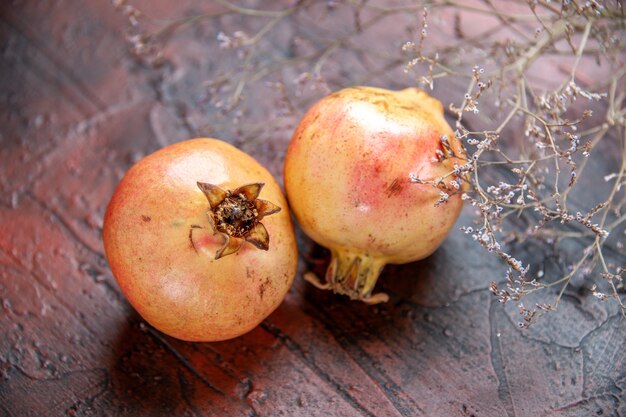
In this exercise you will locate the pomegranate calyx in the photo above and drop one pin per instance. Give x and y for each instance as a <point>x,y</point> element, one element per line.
<point>352,274</point>
<point>237,215</point>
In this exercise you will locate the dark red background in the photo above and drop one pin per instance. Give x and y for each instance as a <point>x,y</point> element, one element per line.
<point>77,111</point>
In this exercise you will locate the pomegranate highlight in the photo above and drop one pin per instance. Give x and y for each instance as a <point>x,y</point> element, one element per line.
<point>199,239</point>
<point>348,178</point>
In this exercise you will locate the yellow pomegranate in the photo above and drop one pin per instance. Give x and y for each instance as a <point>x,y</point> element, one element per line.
<point>348,173</point>
<point>199,239</point>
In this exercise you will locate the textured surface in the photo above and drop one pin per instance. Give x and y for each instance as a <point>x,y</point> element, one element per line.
<point>77,111</point>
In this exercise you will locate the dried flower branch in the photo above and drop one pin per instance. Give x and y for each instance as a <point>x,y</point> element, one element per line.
<point>559,145</point>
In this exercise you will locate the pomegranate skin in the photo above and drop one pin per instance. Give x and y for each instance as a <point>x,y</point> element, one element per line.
<point>162,248</point>
<point>347,178</point>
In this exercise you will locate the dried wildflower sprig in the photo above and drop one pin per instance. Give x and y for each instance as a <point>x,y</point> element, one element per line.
<point>546,168</point>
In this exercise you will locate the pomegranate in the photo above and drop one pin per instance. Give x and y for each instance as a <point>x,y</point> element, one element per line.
<point>348,177</point>
<point>199,238</point>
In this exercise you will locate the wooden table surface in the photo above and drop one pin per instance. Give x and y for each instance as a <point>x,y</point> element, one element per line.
<point>78,110</point>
